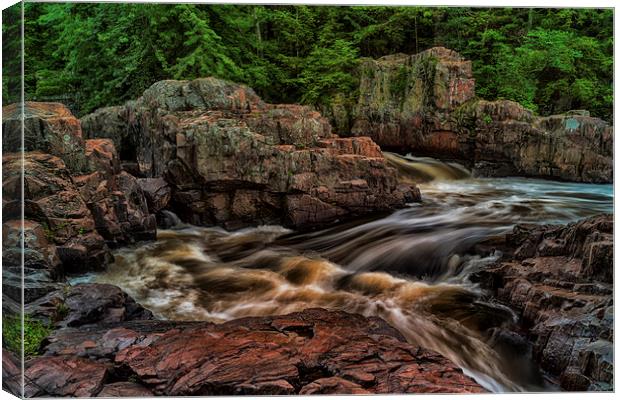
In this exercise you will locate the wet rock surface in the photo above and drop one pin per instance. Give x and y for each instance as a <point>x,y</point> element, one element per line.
<point>426,103</point>
<point>314,351</point>
<point>231,159</point>
<point>559,280</point>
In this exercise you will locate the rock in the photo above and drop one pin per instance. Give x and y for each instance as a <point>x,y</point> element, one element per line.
<point>115,197</point>
<point>233,160</point>
<point>101,154</point>
<point>64,376</point>
<point>157,193</point>
<point>277,355</point>
<point>118,206</point>
<point>399,95</point>
<point>103,342</point>
<point>124,389</point>
<point>11,373</point>
<point>425,104</point>
<point>85,304</point>
<point>34,283</point>
<point>576,148</point>
<point>559,279</point>
<point>38,252</point>
<point>53,202</point>
<point>67,178</point>
<point>100,303</point>
<point>313,351</point>
<point>109,123</point>
<point>48,127</point>
<point>332,385</point>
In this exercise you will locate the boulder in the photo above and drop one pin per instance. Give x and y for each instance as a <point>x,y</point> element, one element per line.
<point>566,147</point>
<point>37,251</point>
<point>70,217</point>
<point>157,193</point>
<point>115,197</point>
<point>400,94</point>
<point>313,351</point>
<point>233,160</point>
<point>559,279</point>
<point>100,303</point>
<point>48,127</point>
<point>101,155</point>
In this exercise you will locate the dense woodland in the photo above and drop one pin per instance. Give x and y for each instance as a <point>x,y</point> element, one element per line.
<point>92,55</point>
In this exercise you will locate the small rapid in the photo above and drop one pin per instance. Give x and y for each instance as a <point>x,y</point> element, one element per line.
<point>410,268</point>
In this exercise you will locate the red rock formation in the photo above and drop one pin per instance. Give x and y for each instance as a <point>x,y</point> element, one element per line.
<point>76,201</point>
<point>232,159</point>
<point>64,376</point>
<point>314,351</point>
<point>52,199</point>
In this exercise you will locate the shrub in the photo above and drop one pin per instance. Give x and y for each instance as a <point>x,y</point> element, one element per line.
<point>34,333</point>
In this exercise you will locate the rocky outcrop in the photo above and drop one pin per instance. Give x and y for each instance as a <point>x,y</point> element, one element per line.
<point>47,127</point>
<point>52,201</point>
<point>426,104</point>
<point>314,351</point>
<point>401,96</point>
<point>76,201</point>
<point>509,140</point>
<point>231,159</point>
<point>86,304</point>
<point>560,280</point>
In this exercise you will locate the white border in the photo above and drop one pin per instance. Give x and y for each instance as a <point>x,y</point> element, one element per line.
<point>464,3</point>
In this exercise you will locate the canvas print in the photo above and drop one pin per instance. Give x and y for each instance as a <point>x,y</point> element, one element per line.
<point>237,199</point>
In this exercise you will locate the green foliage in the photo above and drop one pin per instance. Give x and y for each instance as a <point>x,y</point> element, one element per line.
<point>62,310</point>
<point>11,54</point>
<point>92,55</point>
<point>327,72</point>
<point>34,334</point>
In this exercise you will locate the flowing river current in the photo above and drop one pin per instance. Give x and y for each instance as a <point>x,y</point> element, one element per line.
<point>410,268</point>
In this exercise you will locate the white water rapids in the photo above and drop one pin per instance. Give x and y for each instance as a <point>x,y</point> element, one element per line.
<point>410,268</point>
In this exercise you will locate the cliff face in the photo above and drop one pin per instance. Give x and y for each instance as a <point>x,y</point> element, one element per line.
<point>426,104</point>
<point>402,96</point>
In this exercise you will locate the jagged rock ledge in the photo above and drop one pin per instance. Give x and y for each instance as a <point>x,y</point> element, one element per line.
<point>560,281</point>
<point>233,160</point>
<point>311,352</point>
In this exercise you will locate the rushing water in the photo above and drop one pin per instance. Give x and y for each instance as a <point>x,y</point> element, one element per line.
<point>410,268</point>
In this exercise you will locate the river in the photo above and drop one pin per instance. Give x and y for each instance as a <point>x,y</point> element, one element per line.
<point>410,268</point>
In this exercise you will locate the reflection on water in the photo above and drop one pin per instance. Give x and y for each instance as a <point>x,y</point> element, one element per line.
<point>410,268</point>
